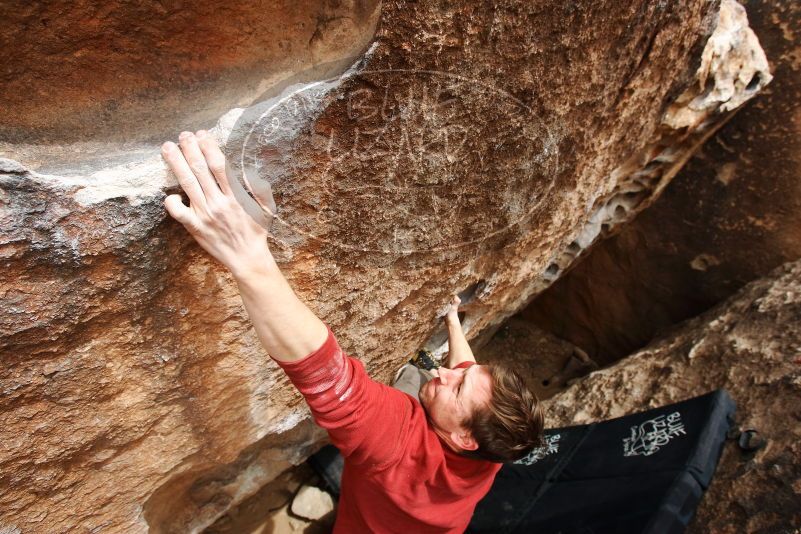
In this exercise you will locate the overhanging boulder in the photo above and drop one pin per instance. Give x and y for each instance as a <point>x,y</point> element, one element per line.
<point>472,148</point>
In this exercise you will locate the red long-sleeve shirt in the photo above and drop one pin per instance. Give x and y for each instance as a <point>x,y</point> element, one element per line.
<point>399,476</point>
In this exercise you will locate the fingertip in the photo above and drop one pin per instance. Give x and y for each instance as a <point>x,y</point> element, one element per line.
<point>204,138</point>
<point>174,200</point>
<point>170,200</point>
<point>167,146</point>
<point>184,135</point>
<point>176,208</point>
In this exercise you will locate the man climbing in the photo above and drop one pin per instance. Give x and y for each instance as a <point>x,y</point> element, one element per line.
<point>409,466</point>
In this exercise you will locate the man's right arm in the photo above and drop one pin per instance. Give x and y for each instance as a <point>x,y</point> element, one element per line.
<point>286,327</point>
<point>364,419</point>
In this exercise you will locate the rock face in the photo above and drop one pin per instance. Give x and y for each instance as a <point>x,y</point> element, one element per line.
<point>473,148</point>
<point>750,346</point>
<point>547,363</point>
<point>82,71</point>
<point>729,217</point>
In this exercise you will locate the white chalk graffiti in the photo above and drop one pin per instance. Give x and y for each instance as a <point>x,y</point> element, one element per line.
<point>551,447</point>
<point>650,436</point>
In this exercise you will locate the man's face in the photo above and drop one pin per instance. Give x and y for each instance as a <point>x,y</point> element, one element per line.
<point>450,398</point>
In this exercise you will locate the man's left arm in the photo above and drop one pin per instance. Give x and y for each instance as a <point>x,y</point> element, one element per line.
<point>459,350</point>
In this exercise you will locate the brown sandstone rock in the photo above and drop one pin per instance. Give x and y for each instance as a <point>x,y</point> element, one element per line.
<point>751,346</point>
<point>475,148</point>
<point>729,217</point>
<point>81,70</point>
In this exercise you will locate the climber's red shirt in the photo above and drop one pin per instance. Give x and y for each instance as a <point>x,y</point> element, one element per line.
<point>399,476</point>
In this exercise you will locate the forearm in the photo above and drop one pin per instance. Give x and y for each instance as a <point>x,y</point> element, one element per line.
<point>459,349</point>
<point>286,327</point>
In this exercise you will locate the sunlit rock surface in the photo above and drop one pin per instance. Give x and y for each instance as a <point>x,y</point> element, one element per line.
<point>749,345</point>
<point>428,149</point>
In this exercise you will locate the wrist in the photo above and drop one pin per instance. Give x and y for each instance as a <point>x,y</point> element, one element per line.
<point>247,269</point>
<point>452,319</point>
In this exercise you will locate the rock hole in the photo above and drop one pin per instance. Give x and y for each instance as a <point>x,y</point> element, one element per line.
<point>546,382</point>
<point>652,166</point>
<point>666,156</point>
<point>753,84</point>
<point>552,270</point>
<point>469,293</point>
<point>574,248</point>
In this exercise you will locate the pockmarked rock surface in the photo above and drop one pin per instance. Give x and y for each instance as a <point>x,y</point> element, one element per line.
<point>730,216</point>
<point>415,152</point>
<point>749,345</point>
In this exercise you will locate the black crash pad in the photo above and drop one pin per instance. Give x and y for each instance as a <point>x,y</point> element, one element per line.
<point>642,473</point>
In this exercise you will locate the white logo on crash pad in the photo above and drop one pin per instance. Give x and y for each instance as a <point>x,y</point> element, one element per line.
<point>551,447</point>
<point>650,436</point>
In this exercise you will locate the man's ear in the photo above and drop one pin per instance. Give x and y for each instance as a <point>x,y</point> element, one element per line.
<point>464,440</point>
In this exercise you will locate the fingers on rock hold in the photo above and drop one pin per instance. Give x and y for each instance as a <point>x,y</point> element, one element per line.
<point>197,162</point>
<point>215,159</point>
<point>183,173</point>
<point>177,209</point>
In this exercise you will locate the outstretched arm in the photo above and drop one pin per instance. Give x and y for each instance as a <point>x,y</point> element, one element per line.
<point>458,349</point>
<point>368,421</point>
<point>286,327</point>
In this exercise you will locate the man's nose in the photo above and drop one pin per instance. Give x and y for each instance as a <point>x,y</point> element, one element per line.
<point>445,374</point>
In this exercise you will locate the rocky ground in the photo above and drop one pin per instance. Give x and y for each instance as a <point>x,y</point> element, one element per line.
<point>749,345</point>
<point>548,364</point>
<point>291,503</point>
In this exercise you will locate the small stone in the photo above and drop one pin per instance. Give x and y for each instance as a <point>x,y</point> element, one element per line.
<point>312,503</point>
<point>702,262</point>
